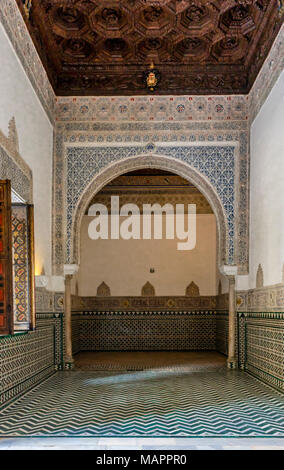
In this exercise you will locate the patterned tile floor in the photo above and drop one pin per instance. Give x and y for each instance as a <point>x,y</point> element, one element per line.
<point>153,403</point>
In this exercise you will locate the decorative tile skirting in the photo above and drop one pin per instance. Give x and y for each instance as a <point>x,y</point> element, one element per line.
<point>144,331</point>
<point>261,346</point>
<point>222,330</point>
<point>27,359</point>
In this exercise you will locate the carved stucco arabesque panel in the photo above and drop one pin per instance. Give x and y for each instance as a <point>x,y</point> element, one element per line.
<point>88,146</point>
<point>138,158</point>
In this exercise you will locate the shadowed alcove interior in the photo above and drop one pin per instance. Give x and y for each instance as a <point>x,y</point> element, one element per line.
<point>126,265</point>
<point>146,294</point>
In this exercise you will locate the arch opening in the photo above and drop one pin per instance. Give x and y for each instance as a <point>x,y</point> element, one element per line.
<point>159,163</point>
<point>187,304</point>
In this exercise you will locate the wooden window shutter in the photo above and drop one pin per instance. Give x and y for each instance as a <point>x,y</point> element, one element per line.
<point>6,274</point>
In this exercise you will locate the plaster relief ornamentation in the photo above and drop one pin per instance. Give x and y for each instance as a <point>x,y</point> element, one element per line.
<point>85,165</point>
<point>192,290</point>
<point>73,143</point>
<point>269,73</point>
<point>136,108</point>
<point>150,305</point>
<point>13,166</point>
<point>103,290</point>
<point>151,189</point>
<point>20,38</point>
<point>263,299</point>
<point>148,290</point>
<point>151,123</point>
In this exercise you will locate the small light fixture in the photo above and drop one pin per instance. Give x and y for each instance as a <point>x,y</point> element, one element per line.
<point>152,77</point>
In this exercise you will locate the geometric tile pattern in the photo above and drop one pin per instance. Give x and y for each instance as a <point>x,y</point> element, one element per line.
<point>261,346</point>
<point>27,359</point>
<point>150,403</point>
<point>24,358</point>
<point>222,329</point>
<point>151,331</point>
<point>216,163</point>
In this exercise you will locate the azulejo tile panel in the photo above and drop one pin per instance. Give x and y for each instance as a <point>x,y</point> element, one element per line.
<point>261,346</point>
<point>27,359</point>
<point>144,331</point>
<point>222,329</point>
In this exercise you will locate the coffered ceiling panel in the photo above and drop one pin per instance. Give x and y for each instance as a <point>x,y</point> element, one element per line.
<point>95,47</point>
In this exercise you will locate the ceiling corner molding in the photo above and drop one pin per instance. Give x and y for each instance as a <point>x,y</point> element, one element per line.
<point>16,30</point>
<point>267,77</point>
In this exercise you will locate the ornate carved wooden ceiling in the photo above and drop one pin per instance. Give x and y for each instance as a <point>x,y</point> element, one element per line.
<point>95,47</point>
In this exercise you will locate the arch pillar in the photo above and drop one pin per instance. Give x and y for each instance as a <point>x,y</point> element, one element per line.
<point>231,272</point>
<point>69,271</point>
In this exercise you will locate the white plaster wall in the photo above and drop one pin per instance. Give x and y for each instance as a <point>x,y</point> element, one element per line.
<point>18,99</point>
<point>267,189</point>
<point>125,264</point>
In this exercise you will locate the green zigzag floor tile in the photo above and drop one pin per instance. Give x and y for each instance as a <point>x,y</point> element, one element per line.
<point>148,403</point>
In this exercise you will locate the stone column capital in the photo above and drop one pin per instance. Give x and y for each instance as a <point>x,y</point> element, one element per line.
<point>70,269</point>
<point>229,271</point>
